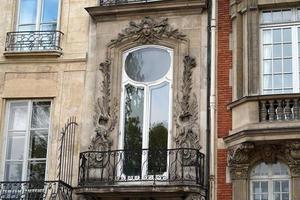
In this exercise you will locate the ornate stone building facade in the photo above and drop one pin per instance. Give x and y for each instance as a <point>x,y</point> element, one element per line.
<point>132,75</point>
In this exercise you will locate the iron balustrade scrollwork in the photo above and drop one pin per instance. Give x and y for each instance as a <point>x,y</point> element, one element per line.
<point>24,41</point>
<point>120,2</point>
<point>37,190</point>
<point>173,166</point>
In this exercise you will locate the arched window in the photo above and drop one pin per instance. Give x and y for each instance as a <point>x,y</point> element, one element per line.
<point>270,182</point>
<point>146,109</point>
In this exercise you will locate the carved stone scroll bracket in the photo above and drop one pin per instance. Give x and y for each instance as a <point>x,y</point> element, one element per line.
<point>195,197</point>
<point>292,153</point>
<point>148,31</point>
<point>105,118</point>
<point>186,110</point>
<point>241,157</point>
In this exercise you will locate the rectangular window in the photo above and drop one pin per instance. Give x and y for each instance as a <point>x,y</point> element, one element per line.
<point>27,130</point>
<point>280,55</point>
<point>38,15</point>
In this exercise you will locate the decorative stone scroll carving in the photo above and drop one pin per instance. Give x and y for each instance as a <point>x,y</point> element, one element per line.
<point>238,160</point>
<point>186,110</point>
<point>105,118</point>
<point>240,157</point>
<point>148,31</point>
<point>195,197</point>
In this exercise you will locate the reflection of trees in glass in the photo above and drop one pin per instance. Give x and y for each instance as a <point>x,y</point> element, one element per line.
<point>38,146</point>
<point>133,65</point>
<point>40,114</point>
<point>133,146</point>
<point>134,105</point>
<point>158,143</point>
<point>36,171</point>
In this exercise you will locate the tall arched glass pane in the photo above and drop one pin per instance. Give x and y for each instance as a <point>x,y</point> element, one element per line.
<point>134,111</point>
<point>158,129</point>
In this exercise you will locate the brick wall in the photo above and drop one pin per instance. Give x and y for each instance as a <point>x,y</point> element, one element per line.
<point>224,95</point>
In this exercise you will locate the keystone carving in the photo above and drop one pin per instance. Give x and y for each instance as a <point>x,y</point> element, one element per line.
<point>186,111</point>
<point>105,119</point>
<point>240,157</point>
<point>148,31</point>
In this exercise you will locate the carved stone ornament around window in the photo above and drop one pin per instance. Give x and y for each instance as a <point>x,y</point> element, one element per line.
<point>195,197</point>
<point>105,119</point>
<point>148,31</point>
<point>186,110</point>
<point>240,157</point>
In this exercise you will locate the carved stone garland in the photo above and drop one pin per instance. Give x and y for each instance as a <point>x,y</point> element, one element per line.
<point>148,31</point>
<point>105,119</point>
<point>186,111</point>
<point>241,156</point>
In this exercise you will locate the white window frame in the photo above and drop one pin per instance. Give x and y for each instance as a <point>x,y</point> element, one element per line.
<point>270,179</point>
<point>294,24</point>
<point>39,15</point>
<point>27,137</point>
<point>168,77</point>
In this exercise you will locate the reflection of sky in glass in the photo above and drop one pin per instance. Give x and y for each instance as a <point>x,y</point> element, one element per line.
<point>18,116</point>
<point>50,11</point>
<point>28,11</point>
<point>148,64</point>
<point>159,111</point>
<point>15,148</point>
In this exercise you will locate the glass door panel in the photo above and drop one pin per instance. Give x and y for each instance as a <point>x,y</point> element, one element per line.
<point>133,137</point>
<point>158,129</point>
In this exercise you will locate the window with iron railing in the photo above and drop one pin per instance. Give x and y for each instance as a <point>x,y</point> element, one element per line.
<point>37,27</point>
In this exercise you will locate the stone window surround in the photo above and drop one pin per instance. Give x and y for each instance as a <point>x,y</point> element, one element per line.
<point>149,34</point>
<point>185,115</point>
<point>245,15</point>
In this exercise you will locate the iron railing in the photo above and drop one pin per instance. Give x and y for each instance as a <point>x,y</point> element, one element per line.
<point>44,190</point>
<point>24,41</point>
<point>155,166</point>
<point>120,2</point>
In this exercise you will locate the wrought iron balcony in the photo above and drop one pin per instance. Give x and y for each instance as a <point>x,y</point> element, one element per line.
<point>148,166</point>
<point>33,41</point>
<point>25,190</point>
<point>121,2</point>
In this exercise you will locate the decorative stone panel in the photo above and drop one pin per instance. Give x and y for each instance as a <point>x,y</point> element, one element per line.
<point>243,156</point>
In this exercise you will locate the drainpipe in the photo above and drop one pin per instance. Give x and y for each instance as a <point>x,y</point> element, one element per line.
<point>212,102</point>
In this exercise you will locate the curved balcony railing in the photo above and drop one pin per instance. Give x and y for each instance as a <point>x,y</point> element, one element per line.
<point>154,166</point>
<point>28,41</point>
<point>26,190</point>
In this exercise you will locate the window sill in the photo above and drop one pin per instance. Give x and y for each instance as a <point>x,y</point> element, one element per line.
<point>46,53</point>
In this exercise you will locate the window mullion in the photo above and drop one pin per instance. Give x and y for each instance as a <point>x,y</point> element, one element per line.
<point>294,60</point>
<point>145,137</point>
<point>27,138</point>
<point>38,14</point>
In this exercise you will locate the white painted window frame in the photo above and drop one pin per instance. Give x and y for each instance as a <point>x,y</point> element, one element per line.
<point>39,15</point>
<point>168,77</point>
<point>294,24</point>
<point>27,137</point>
<point>270,178</point>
